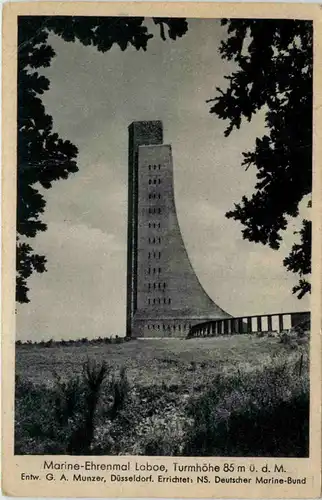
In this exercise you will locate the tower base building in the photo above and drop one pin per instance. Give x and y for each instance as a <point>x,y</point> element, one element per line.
<point>164,295</point>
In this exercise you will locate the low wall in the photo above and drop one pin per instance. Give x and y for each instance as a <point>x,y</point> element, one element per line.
<point>250,324</point>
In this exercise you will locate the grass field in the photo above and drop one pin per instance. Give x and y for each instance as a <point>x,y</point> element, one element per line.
<point>152,360</point>
<point>230,396</point>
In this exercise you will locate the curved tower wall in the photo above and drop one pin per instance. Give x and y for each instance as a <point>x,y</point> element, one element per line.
<point>165,297</point>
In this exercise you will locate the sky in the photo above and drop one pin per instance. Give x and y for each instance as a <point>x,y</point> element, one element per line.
<point>93,98</point>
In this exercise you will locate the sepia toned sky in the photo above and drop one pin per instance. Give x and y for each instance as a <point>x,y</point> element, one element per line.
<point>93,98</point>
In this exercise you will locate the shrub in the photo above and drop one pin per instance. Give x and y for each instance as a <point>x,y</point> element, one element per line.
<point>259,414</point>
<point>119,389</point>
<point>81,439</point>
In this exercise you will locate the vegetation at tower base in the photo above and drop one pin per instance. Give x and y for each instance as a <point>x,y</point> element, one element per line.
<point>180,397</point>
<point>275,65</point>
<point>44,157</point>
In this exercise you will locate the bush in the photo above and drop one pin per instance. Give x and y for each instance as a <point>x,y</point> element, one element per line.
<point>58,419</point>
<point>119,389</point>
<point>263,414</point>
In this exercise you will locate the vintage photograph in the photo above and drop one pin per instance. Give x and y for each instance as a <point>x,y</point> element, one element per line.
<point>163,249</point>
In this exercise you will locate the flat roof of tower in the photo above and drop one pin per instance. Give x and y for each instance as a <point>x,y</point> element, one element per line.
<point>145,122</point>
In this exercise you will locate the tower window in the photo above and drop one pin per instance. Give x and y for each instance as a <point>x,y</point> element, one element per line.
<point>159,255</point>
<point>149,270</point>
<point>159,210</point>
<point>164,285</point>
<point>149,224</point>
<point>164,300</point>
<point>149,301</point>
<point>154,270</point>
<point>154,166</point>
<point>169,301</point>
<point>159,300</point>
<point>154,181</point>
<point>159,166</point>
<point>149,167</point>
<point>150,182</point>
<point>154,286</point>
<point>159,225</point>
<point>159,196</point>
<point>149,255</point>
<point>159,285</point>
<point>159,181</point>
<point>159,269</point>
<point>149,286</point>
<point>153,303</point>
<point>159,239</point>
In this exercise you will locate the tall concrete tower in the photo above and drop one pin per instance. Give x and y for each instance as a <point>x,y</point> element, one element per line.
<point>164,295</point>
